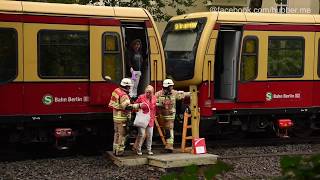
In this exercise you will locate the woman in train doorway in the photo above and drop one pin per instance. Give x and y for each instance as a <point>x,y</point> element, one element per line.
<point>135,63</point>
<point>148,103</point>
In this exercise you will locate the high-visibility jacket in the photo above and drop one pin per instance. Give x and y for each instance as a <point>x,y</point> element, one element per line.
<point>167,103</point>
<point>118,102</point>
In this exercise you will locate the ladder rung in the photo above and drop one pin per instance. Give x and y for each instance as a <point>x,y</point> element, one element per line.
<point>160,132</point>
<point>187,115</point>
<point>186,120</point>
<point>187,149</point>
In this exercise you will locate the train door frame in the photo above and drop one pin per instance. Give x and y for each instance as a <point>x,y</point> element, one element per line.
<point>137,30</point>
<point>252,89</point>
<point>101,81</point>
<point>221,79</point>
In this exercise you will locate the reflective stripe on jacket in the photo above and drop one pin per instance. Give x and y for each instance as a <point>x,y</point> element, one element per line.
<point>118,102</point>
<point>167,103</point>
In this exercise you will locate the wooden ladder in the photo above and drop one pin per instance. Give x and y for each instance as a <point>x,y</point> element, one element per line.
<point>160,132</point>
<point>186,126</point>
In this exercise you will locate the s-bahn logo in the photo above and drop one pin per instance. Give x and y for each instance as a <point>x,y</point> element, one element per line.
<point>269,96</point>
<point>47,99</point>
<point>283,96</point>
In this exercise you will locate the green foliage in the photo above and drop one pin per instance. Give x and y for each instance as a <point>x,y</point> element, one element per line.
<point>156,7</point>
<point>255,4</point>
<point>193,172</point>
<point>169,176</point>
<point>297,167</point>
<point>189,173</point>
<point>281,1</point>
<point>217,169</point>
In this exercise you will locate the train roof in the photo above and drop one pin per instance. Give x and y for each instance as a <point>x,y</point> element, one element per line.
<point>254,17</point>
<point>70,9</point>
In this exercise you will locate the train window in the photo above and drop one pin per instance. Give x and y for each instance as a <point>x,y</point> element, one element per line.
<point>181,41</point>
<point>249,58</point>
<point>112,61</point>
<point>285,57</point>
<point>63,54</point>
<point>8,54</point>
<point>174,42</point>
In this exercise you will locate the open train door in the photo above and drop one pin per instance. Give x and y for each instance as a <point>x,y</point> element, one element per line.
<point>106,59</point>
<point>225,68</point>
<point>132,31</point>
<point>248,88</point>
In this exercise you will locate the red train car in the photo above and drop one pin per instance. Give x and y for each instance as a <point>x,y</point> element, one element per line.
<point>253,71</point>
<point>59,64</point>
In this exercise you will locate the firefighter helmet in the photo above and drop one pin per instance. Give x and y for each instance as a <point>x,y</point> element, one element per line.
<point>126,82</point>
<point>167,83</point>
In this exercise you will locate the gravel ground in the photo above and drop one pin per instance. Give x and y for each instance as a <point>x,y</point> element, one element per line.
<point>73,168</point>
<point>97,167</point>
<point>258,167</point>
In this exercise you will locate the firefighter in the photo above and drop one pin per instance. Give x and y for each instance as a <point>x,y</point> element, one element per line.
<point>120,103</point>
<point>166,103</point>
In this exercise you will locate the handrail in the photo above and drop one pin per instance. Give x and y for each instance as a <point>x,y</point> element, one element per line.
<point>155,75</point>
<point>209,78</point>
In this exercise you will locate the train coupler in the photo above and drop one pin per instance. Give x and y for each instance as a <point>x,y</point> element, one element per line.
<point>63,138</point>
<point>283,126</point>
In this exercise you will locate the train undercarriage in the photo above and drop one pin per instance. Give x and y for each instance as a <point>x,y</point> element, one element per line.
<point>62,134</point>
<point>238,126</point>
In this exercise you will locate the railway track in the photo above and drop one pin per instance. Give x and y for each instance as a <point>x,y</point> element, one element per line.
<point>270,155</point>
<point>262,141</point>
<point>14,152</point>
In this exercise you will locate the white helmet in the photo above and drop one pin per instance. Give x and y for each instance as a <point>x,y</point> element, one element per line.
<point>167,83</point>
<point>126,82</point>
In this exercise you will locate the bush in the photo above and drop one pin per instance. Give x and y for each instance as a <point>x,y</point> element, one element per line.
<point>298,167</point>
<point>193,172</point>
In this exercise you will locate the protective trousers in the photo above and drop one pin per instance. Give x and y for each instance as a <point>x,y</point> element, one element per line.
<point>169,133</point>
<point>119,138</point>
<point>142,134</point>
